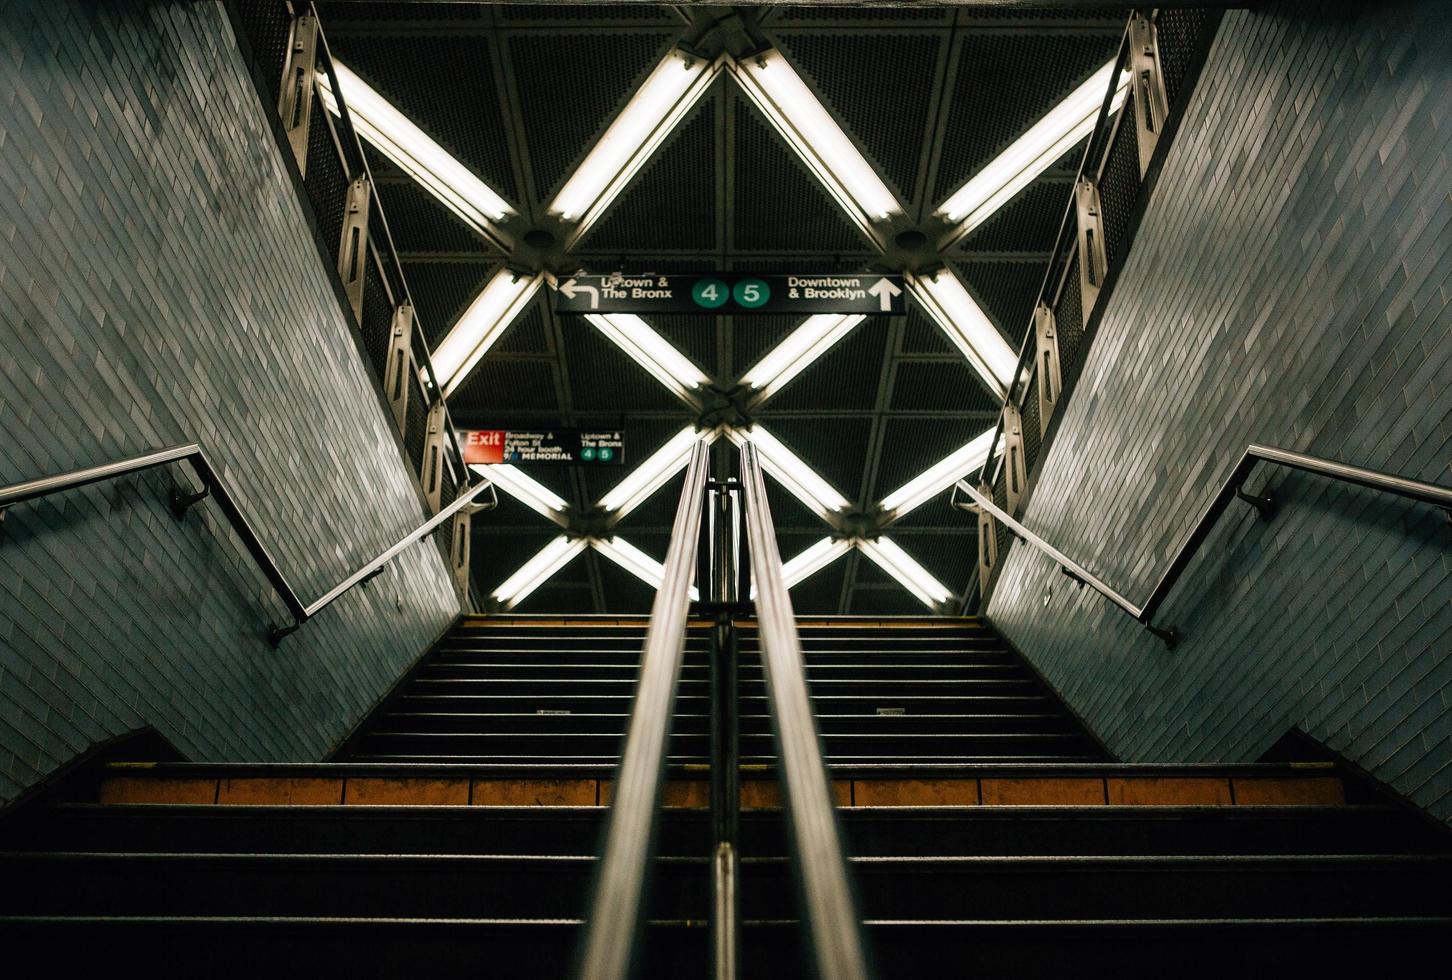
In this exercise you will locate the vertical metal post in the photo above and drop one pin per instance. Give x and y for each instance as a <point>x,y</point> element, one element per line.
<point>295,98</point>
<point>431,467</point>
<point>353,249</point>
<point>1093,256</point>
<point>1015,466</point>
<point>725,799</point>
<point>398,366</point>
<point>1151,100</point>
<point>1046,363</point>
<point>987,542</point>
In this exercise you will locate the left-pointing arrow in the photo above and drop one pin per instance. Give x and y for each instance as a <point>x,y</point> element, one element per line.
<point>884,290</point>
<point>571,288</point>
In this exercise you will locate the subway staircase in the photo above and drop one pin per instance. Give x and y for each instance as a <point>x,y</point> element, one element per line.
<point>989,834</point>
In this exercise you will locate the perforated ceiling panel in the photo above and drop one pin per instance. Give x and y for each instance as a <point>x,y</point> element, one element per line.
<point>940,386</point>
<point>778,206</point>
<point>836,448</point>
<point>571,86</point>
<point>1004,83</point>
<point>441,290</point>
<point>1007,291</point>
<point>844,377</point>
<point>850,72</point>
<point>445,85</point>
<point>672,205</point>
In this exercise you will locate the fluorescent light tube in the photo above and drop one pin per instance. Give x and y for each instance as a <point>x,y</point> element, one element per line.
<point>939,477</point>
<point>635,561</point>
<point>792,356</point>
<point>885,554</point>
<point>651,351</point>
<point>945,299</point>
<point>533,573</point>
<point>771,82</point>
<point>527,490</point>
<point>480,326</point>
<point>665,98</point>
<point>811,561</point>
<point>413,152</point>
<point>1032,153</point>
<point>643,481</point>
<point>795,476</point>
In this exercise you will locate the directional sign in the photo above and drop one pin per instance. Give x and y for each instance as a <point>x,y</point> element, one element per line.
<point>560,446</point>
<point>727,292</point>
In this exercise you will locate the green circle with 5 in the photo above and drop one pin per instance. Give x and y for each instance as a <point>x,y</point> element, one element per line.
<point>711,293</point>
<point>751,293</point>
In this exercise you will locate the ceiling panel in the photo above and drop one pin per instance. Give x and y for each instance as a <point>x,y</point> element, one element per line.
<point>847,376</point>
<point>835,448</point>
<point>947,386</point>
<point>445,85</point>
<point>441,291</point>
<point>570,86</point>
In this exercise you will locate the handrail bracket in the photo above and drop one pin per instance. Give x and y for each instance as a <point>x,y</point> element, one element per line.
<point>182,502</point>
<point>1265,504</point>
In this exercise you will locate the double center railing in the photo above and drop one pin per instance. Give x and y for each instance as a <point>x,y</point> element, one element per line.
<point>617,912</point>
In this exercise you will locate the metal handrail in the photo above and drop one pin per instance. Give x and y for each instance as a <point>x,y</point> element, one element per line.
<point>420,350</point>
<point>1231,489</point>
<point>821,868</point>
<point>1022,372</point>
<point>618,899</point>
<point>214,486</point>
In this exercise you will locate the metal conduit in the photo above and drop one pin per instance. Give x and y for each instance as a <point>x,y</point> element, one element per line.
<point>821,868</point>
<point>617,905</point>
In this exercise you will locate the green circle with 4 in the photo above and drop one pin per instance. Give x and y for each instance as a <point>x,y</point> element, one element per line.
<point>751,293</point>
<point>710,293</point>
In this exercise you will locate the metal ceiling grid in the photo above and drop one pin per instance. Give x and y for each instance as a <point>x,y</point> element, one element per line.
<point>727,168</point>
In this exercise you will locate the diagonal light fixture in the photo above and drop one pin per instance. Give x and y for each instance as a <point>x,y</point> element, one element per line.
<point>795,476</point>
<point>535,572</point>
<point>642,482</point>
<point>416,154</point>
<point>948,303</point>
<point>771,82</point>
<point>481,325</point>
<point>887,555</point>
<point>1031,154</point>
<point>651,351</point>
<point>816,335</point>
<point>524,488</point>
<point>662,101</point>
<point>938,477</point>
<point>635,561</point>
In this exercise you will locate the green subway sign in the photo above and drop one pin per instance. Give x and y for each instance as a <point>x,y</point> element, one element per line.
<point>728,293</point>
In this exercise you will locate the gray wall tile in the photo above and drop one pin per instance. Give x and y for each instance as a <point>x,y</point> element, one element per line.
<point>1289,285</point>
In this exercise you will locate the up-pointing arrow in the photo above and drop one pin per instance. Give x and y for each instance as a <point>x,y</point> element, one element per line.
<point>884,290</point>
<point>571,288</point>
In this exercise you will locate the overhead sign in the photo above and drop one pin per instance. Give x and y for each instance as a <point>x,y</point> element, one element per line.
<point>726,292</point>
<point>565,446</point>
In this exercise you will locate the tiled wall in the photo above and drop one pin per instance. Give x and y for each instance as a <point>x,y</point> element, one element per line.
<point>1289,285</point>
<point>159,284</point>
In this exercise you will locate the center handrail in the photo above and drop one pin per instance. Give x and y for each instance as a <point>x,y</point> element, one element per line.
<point>828,906</point>
<point>214,486</point>
<point>617,906</point>
<point>1231,489</point>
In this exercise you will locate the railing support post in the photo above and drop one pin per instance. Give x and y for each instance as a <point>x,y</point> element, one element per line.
<point>295,101</point>
<point>398,366</point>
<point>353,249</point>
<point>1015,466</point>
<point>431,467</point>
<point>987,542</point>
<point>1151,100</point>
<point>459,554</point>
<point>1046,364</point>
<point>1093,256</point>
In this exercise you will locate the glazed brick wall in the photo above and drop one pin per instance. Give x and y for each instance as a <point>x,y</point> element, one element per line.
<point>160,284</point>
<point>1289,285</point>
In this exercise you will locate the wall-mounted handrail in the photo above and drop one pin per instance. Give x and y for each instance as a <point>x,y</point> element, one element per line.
<point>1022,370</point>
<point>359,162</point>
<point>1231,489</point>
<point>617,905</point>
<point>821,869</point>
<point>214,486</point>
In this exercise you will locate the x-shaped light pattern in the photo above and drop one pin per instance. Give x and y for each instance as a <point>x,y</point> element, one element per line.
<point>662,102</point>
